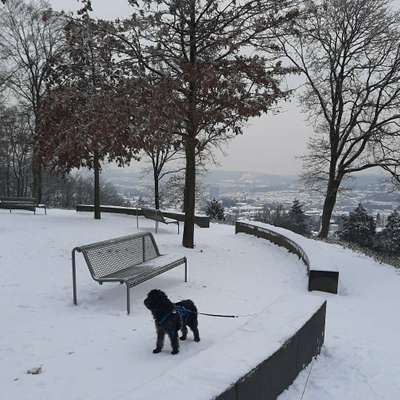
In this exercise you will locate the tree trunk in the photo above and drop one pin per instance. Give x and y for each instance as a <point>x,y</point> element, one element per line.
<point>19,187</point>
<point>329,205</point>
<point>97,214</point>
<point>37,181</point>
<point>8,191</point>
<point>36,165</point>
<point>190,193</point>
<point>189,202</point>
<point>156,192</point>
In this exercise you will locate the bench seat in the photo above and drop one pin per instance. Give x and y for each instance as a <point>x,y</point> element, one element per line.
<point>146,270</point>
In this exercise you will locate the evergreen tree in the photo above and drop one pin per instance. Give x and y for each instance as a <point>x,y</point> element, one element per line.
<point>358,227</point>
<point>388,241</point>
<point>379,220</point>
<point>297,220</point>
<point>264,215</point>
<point>215,210</point>
<point>279,216</point>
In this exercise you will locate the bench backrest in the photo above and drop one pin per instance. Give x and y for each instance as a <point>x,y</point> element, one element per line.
<point>19,200</point>
<point>109,256</point>
<point>153,214</point>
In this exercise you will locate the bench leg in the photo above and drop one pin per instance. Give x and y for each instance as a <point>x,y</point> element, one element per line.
<point>75,298</point>
<point>186,271</point>
<point>128,300</point>
<point>178,228</point>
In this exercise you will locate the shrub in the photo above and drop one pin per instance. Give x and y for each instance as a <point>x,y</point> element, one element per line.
<point>294,220</point>
<point>297,221</point>
<point>358,227</point>
<point>388,241</point>
<point>215,210</point>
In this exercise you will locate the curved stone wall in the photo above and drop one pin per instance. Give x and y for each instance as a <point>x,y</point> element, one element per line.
<point>275,238</point>
<point>325,279</point>
<point>274,375</point>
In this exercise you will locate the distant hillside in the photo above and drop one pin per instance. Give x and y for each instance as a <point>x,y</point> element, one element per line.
<point>242,180</point>
<point>247,178</point>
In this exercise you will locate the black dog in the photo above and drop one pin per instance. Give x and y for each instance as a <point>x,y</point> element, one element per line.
<point>170,318</point>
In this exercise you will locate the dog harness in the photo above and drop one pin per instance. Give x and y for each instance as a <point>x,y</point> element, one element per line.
<point>180,310</point>
<point>183,312</point>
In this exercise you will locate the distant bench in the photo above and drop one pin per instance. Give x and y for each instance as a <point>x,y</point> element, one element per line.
<point>129,259</point>
<point>21,203</point>
<point>203,221</point>
<point>156,215</point>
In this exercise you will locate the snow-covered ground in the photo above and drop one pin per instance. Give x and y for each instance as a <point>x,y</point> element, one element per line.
<point>361,356</point>
<point>95,351</point>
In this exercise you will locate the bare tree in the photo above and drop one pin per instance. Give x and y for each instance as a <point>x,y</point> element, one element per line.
<point>348,51</point>
<point>161,146</point>
<point>16,151</point>
<point>173,190</point>
<point>201,51</point>
<point>161,153</point>
<point>30,36</point>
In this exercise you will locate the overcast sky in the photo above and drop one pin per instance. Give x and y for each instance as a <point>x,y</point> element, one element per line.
<point>271,144</point>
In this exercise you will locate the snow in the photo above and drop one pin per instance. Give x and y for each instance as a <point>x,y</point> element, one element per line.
<point>107,206</point>
<point>327,267</point>
<point>278,321</point>
<point>95,351</point>
<point>361,356</point>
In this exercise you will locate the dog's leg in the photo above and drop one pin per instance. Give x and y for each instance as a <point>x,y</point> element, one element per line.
<point>174,342</point>
<point>193,326</point>
<point>184,332</point>
<point>160,340</point>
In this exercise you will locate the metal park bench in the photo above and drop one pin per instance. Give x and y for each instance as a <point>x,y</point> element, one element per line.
<point>129,259</point>
<point>157,216</point>
<point>21,203</point>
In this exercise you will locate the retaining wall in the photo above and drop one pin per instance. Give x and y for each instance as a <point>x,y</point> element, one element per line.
<point>270,378</point>
<point>275,238</point>
<point>200,220</point>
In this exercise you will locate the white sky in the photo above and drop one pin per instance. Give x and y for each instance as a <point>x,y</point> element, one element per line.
<point>270,145</point>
